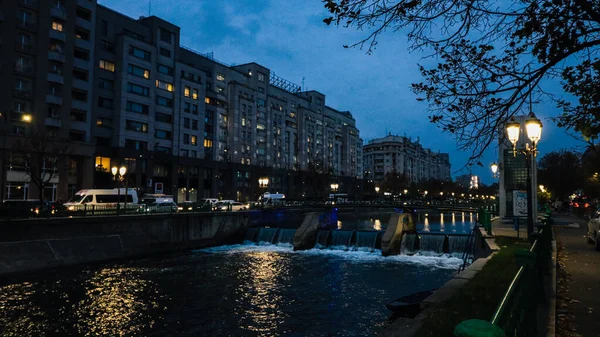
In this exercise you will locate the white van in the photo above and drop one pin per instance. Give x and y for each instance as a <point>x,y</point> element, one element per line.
<point>272,198</point>
<point>156,198</point>
<point>101,199</point>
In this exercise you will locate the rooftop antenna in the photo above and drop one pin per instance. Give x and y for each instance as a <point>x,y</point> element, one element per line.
<point>149,7</point>
<point>303,86</point>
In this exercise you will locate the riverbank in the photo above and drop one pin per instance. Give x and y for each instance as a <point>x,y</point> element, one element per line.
<point>28,245</point>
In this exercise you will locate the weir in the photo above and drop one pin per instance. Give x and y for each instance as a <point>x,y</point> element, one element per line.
<point>323,239</point>
<point>432,243</point>
<point>367,240</point>
<point>267,235</point>
<point>286,236</point>
<point>341,239</point>
<point>409,244</point>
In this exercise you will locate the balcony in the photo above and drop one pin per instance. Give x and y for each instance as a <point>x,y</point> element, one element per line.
<point>56,78</point>
<point>58,12</point>
<point>24,47</point>
<point>24,70</point>
<point>53,122</point>
<point>28,25</point>
<point>83,23</point>
<point>87,4</point>
<point>79,105</point>
<point>79,84</point>
<point>29,3</point>
<point>55,34</point>
<point>53,99</point>
<point>83,44</point>
<point>56,56</point>
<point>22,93</point>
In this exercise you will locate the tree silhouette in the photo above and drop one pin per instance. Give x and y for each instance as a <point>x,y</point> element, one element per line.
<point>492,58</point>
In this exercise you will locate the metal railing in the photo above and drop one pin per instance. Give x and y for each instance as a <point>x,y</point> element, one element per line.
<point>469,252</point>
<point>517,312</point>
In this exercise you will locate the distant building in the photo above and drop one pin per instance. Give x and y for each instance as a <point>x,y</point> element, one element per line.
<point>468,181</point>
<point>404,156</point>
<point>123,91</point>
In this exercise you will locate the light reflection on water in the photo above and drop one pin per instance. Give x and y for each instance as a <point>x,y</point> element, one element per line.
<point>425,222</point>
<point>241,290</point>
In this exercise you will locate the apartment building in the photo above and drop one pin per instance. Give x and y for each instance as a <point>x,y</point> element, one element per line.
<point>404,156</point>
<point>124,92</point>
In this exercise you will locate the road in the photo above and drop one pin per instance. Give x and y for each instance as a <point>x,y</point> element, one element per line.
<point>583,263</point>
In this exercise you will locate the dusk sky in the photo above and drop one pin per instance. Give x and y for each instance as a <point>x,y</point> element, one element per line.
<point>290,39</point>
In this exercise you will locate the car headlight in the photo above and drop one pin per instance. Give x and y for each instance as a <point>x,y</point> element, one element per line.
<point>180,208</point>
<point>71,208</point>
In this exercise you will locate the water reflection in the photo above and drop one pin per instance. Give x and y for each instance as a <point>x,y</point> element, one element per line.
<point>377,225</point>
<point>20,311</point>
<point>113,305</point>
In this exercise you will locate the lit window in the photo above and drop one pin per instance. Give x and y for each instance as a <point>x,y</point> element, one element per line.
<point>57,26</point>
<point>102,163</point>
<point>107,65</point>
<point>208,143</point>
<point>186,91</point>
<point>195,93</point>
<point>220,77</point>
<point>207,100</point>
<point>164,85</point>
<point>243,121</point>
<point>194,140</point>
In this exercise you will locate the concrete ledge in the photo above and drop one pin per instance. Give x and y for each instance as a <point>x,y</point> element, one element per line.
<point>445,292</point>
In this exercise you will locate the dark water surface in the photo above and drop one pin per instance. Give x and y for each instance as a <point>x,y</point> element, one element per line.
<point>240,290</point>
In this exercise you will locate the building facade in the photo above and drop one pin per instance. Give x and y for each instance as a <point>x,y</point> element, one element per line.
<point>402,155</point>
<point>124,92</point>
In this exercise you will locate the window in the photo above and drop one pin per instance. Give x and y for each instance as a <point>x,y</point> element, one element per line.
<point>163,101</point>
<point>53,111</point>
<point>165,35</point>
<point>79,95</point>
<point>208,117</point>
<point>243,121</point>
<point>194,140</point>
<point>105,103</point>
<point>220,90</point>
<point>260,102</point>
<point>261,90</point>
<point>107,65</point>
<point>58,26</point>
<point>162,134</point>
<point>208,143</point>
<point>261,77</point>
<point>186,138</point>
<point>163,149</point>
<point>82,34</point>
<point>103,122</point>
<point>78,115</point>
<point>195,94</point>
<point>104,27</point>
<point>107,46</point>
<point>164,85</point>
<point>136,126</point>
<point>220,77</point>
<point>139,53</point>
<point>83,14</point>
<point>184,153</point>
<point>102,164</point>
<point>186,123</point>
<point>83,54</point>
<point>165,52</point>
<point>137,89</point>
<point>136,144</point>
<point>186,107</point>
<point>137,107</point>
<point>186,91</point>
<point>194,154</point>
<point>194,124</point>
<point>76,135</point>
<point>163,69</point>
<point>138,71</point>
<point>163,118</point>
<point>194,109</point>
<point>80,74</point>
<point>104,83</point>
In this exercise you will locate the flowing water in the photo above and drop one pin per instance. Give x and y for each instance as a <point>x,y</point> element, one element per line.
<point>239,290</point>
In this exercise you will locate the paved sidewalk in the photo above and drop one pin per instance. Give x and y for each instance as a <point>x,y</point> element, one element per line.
<point>583,263</point>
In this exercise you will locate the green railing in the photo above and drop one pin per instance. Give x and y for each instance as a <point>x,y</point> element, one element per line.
<point>517,313</point>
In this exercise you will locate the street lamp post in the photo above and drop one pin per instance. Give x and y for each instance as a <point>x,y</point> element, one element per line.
<point>494,168</point>
<point>533,127</point>
<point>121,172</point>
<point>377,192</point>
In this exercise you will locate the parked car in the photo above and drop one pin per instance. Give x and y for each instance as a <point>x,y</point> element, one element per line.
<point>161,207</point>
<point>593,230</point>
<point>185,206</point>
<point>231,205</point>
<point>25,208</point>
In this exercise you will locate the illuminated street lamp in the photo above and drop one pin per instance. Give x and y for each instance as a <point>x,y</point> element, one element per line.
<point>26,118</point>
<point>533,127</point>
<point>405,191</point>
<point>494,168</point>
<point>121,177</point>
<point>334,187</point>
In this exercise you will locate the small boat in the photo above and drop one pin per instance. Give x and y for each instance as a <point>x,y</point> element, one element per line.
<point>409,306</point>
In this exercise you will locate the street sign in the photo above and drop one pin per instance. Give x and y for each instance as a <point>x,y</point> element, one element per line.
<point>520,203</point>
<point>158,188</point>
